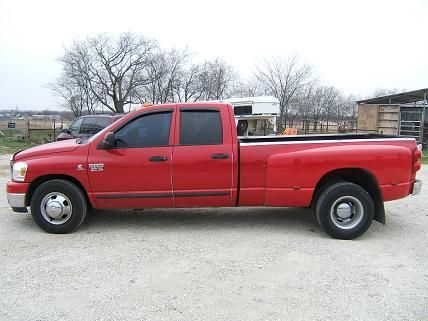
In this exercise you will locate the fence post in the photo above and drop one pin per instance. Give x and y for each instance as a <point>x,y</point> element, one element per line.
<point>53,137</point>
<point>28,130</point>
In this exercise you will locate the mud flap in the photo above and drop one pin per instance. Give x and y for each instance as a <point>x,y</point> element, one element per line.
<point>379,212</point>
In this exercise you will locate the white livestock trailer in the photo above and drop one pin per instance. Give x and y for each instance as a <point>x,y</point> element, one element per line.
<point>255,116</point>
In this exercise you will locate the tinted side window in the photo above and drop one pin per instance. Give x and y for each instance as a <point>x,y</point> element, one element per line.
<point>89,126</point>
<point>200,127</point>
<point>103,122</point>
<point>75,127</point>
<point>243,110</point>
<point>146,131</point>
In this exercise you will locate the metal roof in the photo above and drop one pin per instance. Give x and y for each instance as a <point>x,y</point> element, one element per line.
<point>252,100</point>
<point>401,98</point>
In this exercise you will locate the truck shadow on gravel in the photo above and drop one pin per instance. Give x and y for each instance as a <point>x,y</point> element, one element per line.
<point>290,219</point>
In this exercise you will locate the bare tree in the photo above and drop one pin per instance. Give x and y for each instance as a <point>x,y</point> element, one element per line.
<point>216,80</point>
<point>108,72</point>
<point>322,102</point>
<point>187,86</point>
<point>211,80</point>
<point>113,68</point>
<point>132,69</point>
<point>77,95</point>
<point>316,103</point>
<point>249,88</point>
<point>330,95</point>
<point>165,71</point>
<point>301,105</point>
<point>379,92</point>
<point>283,78</point>
<point>345,111</point>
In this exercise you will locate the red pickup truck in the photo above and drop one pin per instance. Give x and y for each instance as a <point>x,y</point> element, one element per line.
<point>189,155</point>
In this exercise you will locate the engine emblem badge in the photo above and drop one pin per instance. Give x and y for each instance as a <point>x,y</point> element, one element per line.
<point>99,167</point>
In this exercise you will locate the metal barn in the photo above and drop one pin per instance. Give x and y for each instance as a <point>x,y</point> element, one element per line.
<point>403,114</point>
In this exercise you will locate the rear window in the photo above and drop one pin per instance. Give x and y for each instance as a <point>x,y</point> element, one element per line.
<point>200,127</point>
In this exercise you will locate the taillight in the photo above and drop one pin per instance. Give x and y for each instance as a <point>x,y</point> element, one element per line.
<point>417,154</point>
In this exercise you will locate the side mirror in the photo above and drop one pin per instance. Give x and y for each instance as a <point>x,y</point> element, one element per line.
<point>108,141</point>
<point>65,131</point>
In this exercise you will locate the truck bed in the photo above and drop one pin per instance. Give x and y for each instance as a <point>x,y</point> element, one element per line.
<point>286,170</point>
<point>304,138</point>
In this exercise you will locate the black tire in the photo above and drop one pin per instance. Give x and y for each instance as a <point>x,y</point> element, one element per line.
<point>355,201</point>
<point>242,127</point>
<point>70,195</point>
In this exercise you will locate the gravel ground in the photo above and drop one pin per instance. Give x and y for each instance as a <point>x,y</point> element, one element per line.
<point>214,264</point>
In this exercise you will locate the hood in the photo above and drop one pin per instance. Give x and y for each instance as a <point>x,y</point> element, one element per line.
<point>56,147</point>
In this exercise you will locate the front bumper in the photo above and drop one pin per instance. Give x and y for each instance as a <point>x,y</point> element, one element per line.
<point>417,187</point>
<point>16,194</point>
<point>17,202</point>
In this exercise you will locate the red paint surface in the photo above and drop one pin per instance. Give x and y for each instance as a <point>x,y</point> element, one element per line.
<point>269,175</point>
<point>18,188</point>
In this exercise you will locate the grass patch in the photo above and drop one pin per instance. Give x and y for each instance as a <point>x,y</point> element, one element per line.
<point>424,159</point>
<point>10,145</point>
<point>42,135</point>
<point>17,139</point>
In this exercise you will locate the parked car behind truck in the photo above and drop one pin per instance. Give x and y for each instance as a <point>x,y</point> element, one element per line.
<point>189,155</point>
<point>86,126</point>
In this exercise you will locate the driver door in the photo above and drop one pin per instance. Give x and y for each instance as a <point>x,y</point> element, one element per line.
<point>136,173</point>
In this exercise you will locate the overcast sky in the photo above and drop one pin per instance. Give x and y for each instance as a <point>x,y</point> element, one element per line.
<point>357,46</point>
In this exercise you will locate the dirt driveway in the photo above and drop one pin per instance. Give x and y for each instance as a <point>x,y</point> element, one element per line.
<point>214,264</point>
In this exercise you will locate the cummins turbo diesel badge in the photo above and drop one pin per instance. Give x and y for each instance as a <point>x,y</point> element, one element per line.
<point>96,167</point>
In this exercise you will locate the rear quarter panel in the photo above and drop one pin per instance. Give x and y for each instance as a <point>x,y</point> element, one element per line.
<point>287,174</point>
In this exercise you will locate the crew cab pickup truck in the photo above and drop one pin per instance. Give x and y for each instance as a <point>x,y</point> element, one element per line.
<point>189,155</point>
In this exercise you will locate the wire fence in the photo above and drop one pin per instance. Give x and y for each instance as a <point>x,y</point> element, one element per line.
<point>34,131</point>
<point>40,131</point>
<point>323,128</point>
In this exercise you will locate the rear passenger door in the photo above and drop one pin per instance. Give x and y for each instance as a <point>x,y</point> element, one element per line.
<point>202,165</point>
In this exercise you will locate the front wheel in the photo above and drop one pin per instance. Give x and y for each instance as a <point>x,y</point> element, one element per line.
<point>345,210</point>
<point>58,206</point>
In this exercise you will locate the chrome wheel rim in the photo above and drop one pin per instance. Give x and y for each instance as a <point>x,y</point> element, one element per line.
<point>56,208</point>
<point>347,212</point>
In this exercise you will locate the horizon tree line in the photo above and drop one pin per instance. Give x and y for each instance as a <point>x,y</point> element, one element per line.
<point>107,73</point>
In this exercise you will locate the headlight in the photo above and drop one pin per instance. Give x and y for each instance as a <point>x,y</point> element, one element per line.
<point>19,171</point>
<point>11,165</point>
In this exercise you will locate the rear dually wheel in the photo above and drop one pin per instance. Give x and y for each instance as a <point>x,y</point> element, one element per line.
<point>344,210</point>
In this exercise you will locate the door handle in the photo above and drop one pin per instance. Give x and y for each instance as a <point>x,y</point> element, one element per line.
<point>220,156</point>
<point>158,158</point>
